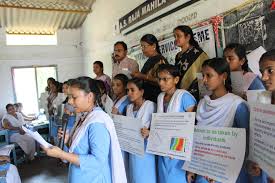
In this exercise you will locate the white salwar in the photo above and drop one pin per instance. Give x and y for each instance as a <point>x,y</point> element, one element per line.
<point>26,142</point>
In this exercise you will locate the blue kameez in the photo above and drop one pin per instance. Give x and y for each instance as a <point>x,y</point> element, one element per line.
<point>123,106</point>
<point>94,157</point>
<point>256,84</point>
<point>170,170</point>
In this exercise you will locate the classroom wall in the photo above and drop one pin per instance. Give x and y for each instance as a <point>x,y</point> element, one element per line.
<point>67,55</point>
<point>99,34</point>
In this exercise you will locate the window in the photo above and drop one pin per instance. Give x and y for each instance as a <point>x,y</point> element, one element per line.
<point>21,39</point>
<point>29,83</point>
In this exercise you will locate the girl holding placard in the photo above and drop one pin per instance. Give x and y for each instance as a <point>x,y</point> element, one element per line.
<point>141,169</point>
<point>121,101</point>
<point>267,68</point>
<point>222,108</point>
<point>119,88</point>
<point>172,100</point>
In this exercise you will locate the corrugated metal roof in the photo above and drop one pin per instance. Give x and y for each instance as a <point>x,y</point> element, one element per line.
<point>42,16</point>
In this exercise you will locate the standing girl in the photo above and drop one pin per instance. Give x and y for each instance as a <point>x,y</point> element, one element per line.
<point>172,100</point>
<point>189,60</point>
<point>121,99</point>
<point>267,68</point>
<point>235,55</point>
<point>141,169</point>
<point>222,108</point>
<point>94,152</point>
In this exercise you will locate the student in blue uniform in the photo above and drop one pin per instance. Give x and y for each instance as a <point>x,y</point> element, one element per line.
<point>222,108</point>
<point>267,68</point>
<point>121,99</point>
<point>119,86</point>
<point>235,55</point>
<point>172,99</point>
<point>141,169</point>
<point>94,152</point>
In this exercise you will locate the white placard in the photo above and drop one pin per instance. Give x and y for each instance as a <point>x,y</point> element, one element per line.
<point>262,136</point>
<point>217,153</point>
<point>129,134</point>
<point>254,58</point>
<point>258,96</point>
<point>108,105</point>
<point>171,134</point>
<point>36,136</point>
<point>237,83</point>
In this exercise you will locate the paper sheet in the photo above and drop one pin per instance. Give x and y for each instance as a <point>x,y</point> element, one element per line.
<point>217,153</point>
<point>258,96</point>
<point>36,136</point>
<point>108,105</point>
<point>254,58</point>
<point>129,135</point>
<point>171,134</point>
<point>262,136</point>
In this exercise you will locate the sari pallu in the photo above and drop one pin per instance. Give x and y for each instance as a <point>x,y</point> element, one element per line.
<point>189,64</point>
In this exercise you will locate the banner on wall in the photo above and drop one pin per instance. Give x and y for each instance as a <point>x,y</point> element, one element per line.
<point>150,11</point>
<point>203,35</point>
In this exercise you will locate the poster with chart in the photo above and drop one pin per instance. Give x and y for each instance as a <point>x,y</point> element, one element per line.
<point>218,153</point>
<point>262,136</point>
<point>171,134</point>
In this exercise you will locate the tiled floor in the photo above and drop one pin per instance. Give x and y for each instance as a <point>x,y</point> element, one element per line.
<point>43,170</point>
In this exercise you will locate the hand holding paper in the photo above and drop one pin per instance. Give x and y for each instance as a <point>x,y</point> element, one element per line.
<point>36,136</point>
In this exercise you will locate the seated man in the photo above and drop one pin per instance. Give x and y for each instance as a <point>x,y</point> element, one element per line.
<point>8,172</point>
<point>13,121</point>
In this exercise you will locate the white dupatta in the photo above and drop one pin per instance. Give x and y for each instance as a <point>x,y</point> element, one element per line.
<point>13,120</point>
<point>117,165</point>
<point>144,113</point>
<point>174,103</point>
<point>219,112</point>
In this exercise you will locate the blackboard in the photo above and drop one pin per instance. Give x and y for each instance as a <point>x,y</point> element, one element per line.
<point>256,30</point>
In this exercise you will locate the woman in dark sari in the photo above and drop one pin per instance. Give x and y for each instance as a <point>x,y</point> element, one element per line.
<point>189,60</point>
<point>150,48</point>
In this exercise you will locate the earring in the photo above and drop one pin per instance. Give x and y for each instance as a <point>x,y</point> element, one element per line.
<point>223,82</point>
